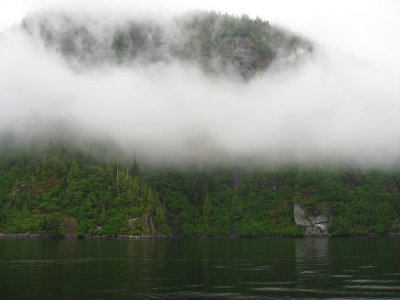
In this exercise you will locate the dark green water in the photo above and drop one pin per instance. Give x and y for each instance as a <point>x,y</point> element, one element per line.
<point>206,268</point>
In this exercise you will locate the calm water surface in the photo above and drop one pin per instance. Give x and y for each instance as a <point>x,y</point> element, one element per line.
<point>207,268</point>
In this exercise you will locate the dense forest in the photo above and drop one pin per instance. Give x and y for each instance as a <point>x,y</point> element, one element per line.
<point>55,190</point>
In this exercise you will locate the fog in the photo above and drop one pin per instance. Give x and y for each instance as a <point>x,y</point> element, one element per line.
<point>335,107</point>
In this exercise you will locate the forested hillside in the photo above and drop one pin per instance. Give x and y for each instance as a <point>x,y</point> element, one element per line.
<point>57,191</point>
<point>256,202</point>
<point>218,43</point>
<point>203,127</point>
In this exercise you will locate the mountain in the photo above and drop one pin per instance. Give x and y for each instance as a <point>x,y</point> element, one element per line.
<point>218,43</point>
<point>70,186</point>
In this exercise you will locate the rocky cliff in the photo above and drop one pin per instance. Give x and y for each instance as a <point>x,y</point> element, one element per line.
<point>315,224</point>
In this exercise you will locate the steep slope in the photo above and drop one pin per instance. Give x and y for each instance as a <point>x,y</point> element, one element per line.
<point>55,191</point>
<point>257,201</point>
<point>59,191</point>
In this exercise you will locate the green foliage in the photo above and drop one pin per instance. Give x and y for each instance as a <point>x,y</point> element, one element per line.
<point>371,206</point>
<point>38,188</point>
<point>258,203</point>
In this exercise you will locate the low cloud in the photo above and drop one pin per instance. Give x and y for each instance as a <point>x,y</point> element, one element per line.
<point>330,109</point>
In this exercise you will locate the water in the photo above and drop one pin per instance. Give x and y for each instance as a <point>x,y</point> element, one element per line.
<point>206,268</point>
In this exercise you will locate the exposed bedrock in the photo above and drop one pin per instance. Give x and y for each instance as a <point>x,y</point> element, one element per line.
<point>315,223</point>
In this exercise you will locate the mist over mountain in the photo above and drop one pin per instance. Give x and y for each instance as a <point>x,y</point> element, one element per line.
<point>217,43</point>
<point>240,127</point>
<point>196,87</point>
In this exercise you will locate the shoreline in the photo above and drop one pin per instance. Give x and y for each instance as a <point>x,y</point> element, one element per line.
<point>84,237</point>
<point>158,237</point>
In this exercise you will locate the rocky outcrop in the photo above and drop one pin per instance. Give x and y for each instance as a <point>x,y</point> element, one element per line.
<point>315,224</point>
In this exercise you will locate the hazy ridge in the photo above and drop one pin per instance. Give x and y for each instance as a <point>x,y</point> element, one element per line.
<point>233,120</point>
<point>219,43</point>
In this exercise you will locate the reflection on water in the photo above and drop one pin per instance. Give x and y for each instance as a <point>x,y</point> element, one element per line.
<point>312,249</point>
<point>312,259</point>
<point>208,268</point>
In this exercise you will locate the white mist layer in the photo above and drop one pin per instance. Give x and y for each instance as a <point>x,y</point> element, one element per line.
<point>332,109</point>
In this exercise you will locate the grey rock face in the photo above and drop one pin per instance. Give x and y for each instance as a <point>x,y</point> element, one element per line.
<point>314,224</point>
